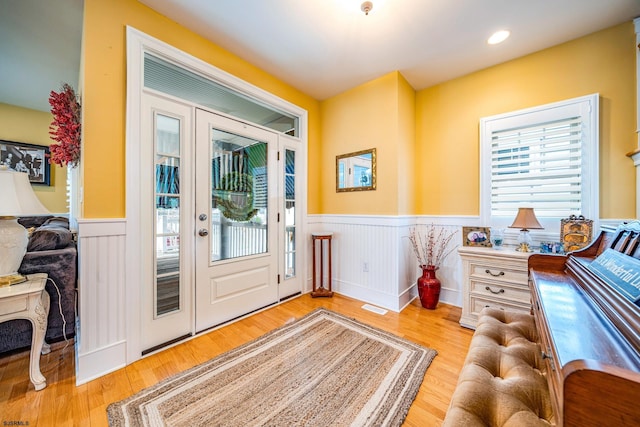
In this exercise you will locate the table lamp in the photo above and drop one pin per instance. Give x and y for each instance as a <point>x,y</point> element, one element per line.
<point>525,220</point>
<point>16,199</point>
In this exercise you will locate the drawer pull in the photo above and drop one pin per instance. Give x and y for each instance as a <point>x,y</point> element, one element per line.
<point>494,274</point>
<point>501,291</point>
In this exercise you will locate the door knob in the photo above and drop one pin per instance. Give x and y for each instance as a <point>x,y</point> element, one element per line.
<point>203,232</point>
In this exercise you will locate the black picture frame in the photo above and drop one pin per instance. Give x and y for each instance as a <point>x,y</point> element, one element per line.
<point>28,158</point>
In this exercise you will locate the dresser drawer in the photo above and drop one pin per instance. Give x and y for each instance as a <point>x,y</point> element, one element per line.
<point>478,303</point>
<point>500,274</point>
<point>493,278</point>
<point>13,305</point>
<point>503,291</point>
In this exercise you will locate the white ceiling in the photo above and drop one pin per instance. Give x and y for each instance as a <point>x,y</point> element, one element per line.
<point>39,49</point>
<point>321,47</point>
<point>324,47</point>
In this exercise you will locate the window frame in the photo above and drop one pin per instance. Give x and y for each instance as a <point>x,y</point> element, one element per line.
<point>587,107</point>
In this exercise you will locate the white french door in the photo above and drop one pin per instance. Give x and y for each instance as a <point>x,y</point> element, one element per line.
<point>224,213</point>
<point>237,227</point>
<point>165,175</point>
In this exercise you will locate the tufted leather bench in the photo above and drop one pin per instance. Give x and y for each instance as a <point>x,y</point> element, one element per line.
<point>501,382</point>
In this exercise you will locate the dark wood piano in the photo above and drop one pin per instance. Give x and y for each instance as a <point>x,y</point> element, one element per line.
<point>589,326</point>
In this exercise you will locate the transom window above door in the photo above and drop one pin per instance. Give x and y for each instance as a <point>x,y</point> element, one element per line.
<point>171,79</point>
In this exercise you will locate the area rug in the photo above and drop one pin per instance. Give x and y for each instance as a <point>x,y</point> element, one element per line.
<point>324,369</point>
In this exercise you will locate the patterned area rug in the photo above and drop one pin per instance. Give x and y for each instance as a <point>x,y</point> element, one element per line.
<point>321,370</point>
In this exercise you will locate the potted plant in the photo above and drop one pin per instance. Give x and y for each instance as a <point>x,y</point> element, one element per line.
<point>430,247</point>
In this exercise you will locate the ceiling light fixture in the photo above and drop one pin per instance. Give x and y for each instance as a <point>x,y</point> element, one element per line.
<point>499,37</point>
<point>366,7</point>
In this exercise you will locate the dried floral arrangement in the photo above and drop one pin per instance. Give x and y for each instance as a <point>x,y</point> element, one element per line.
<point>432,247</point>
<point>65,127</point>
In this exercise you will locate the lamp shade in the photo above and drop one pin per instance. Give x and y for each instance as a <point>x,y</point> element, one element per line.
<point>526,220</point>
<point>18,197</point>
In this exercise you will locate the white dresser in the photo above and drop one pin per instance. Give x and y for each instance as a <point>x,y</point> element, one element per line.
<point>494,278</point>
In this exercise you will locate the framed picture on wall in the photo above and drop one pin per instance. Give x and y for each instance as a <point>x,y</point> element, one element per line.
<point>27,158</point>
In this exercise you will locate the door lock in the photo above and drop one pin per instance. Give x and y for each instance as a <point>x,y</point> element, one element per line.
<point>202,217</point>
<point>203,232</point>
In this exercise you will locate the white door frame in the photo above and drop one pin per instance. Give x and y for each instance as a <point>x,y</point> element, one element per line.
<point>137,44</point>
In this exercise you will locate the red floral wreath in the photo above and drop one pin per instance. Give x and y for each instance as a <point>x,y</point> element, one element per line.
<point>65,127</point>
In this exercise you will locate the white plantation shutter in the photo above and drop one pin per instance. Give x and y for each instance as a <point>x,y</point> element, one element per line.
<point>540,166</point>
<point>545,158</point>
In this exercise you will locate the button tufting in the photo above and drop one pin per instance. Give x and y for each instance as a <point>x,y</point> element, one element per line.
<point>501,382</point>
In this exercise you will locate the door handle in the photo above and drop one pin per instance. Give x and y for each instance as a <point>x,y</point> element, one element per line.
<point>203,232</point>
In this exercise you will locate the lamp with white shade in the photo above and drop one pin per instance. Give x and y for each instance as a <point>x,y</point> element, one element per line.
<point>16,199</point>
<point>525,220</point>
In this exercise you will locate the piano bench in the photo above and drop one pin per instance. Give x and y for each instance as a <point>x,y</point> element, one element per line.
<point>502,382</point>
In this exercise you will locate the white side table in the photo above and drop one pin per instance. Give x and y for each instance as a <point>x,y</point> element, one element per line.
<point>29,300</point>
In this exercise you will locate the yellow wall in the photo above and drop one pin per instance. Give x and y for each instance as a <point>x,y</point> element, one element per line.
<point>104,96</point>
<point>440,134</point>
<point>407,177</point>
<point>447,132</point>
<point>32,127</point>
<point>378,114</point>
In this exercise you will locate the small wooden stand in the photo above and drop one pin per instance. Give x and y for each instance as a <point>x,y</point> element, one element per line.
<point>321,291</point>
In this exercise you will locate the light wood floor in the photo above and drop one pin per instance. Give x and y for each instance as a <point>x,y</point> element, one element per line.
<point>61,403</point>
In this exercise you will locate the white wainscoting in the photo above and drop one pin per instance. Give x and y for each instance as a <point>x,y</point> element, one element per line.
<point>100,338</point>
<point>381,242</point>
<point>380,245</point>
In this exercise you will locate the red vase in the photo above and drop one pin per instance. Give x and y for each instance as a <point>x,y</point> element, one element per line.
<point>429,287</point>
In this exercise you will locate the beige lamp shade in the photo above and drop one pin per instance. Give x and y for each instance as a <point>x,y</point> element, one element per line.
<point>17,196</point>
<point>16,199</point>
<point>526,220</point>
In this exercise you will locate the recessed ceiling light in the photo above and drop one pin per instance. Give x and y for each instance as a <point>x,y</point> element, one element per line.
<point>498,37</point>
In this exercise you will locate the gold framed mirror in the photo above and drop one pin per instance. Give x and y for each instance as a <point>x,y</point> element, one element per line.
<point>356,171</point>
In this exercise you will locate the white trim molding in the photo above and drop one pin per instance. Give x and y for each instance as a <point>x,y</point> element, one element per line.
<point>100,338</point>
<point>139,43</point>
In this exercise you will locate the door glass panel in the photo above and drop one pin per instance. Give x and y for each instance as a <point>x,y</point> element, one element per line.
<point>167,217</point>
<point>239,206</point>
<point>290,213</point>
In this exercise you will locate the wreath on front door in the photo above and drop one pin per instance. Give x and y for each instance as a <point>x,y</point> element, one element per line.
<point>234,196</point>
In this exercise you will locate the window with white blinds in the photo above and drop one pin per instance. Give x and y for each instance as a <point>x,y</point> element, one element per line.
<point>544,157</point>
